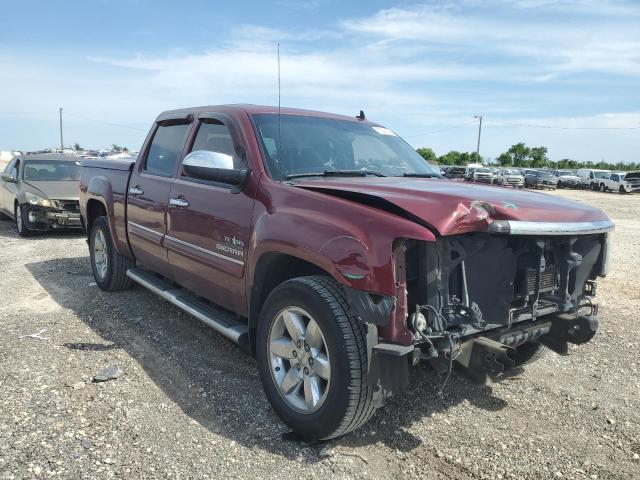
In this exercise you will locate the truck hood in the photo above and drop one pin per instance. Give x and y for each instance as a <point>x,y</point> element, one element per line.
<point>56,190</point>
<point>452,207</point>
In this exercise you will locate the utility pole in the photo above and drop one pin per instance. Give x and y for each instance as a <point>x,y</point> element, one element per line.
<point>479,133</point>
<point>61,142</point>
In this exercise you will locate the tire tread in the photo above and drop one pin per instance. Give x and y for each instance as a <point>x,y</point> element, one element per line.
<point>361,404</point>
<point>118,264</point>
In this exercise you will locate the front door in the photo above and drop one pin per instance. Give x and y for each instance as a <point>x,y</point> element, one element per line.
<point>148,195</point>
<point>8,190</point>
<point>209,223</point>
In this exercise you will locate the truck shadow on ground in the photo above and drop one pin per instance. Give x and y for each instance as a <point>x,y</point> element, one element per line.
<point>214,382</point>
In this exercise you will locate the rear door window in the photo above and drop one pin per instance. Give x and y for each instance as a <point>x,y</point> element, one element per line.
<point>165,148</point>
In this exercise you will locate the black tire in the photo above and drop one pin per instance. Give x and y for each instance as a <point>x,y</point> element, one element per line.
<point>20,224</point>
<point>603,188</point>
<point>528,353</point>
<point>349,399</point>
<point>115,277</point>
<point>621,190</point>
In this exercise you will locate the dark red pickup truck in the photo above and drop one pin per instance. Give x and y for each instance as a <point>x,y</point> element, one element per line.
<point>330,250</point>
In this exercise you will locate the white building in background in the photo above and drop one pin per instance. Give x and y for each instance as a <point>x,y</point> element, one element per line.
<point>6,156</point>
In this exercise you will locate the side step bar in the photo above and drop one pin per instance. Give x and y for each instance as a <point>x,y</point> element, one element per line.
<point>220,320</point>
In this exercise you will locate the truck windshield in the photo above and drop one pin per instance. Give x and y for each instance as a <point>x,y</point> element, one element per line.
<point>51,170</point>
<point>299,145</point>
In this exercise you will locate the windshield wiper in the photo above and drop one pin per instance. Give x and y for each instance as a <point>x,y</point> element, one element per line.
<point>422,175</point>
<point>336,173</point>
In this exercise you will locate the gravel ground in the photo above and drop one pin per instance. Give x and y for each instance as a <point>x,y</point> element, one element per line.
<point>190,404</point>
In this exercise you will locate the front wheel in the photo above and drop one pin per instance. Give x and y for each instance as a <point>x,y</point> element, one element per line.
<point>312,359</point>
<point>109,267</point>
<point>622,190</point>
<point>21,226</point>
<point>603,188</point>
<point>528,353</point>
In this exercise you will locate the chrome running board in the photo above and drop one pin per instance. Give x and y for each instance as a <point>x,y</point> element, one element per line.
<point>220,320</point>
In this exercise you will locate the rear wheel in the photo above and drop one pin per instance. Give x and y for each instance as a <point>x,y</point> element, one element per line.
<point>21,226</point>
<point>109,267</point>
<point>312,359</point>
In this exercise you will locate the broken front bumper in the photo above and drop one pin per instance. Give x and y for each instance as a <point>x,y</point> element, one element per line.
<point>44,218</point>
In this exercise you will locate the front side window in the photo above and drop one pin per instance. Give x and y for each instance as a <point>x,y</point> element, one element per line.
<point>51,170</point>
<point>165,148</point>
<point>614,177</point>
<point>215,137</point>
<point>12,168</point>
<point>298,145</point>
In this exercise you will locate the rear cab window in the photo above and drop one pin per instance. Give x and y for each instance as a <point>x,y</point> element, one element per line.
<point>165,148</point>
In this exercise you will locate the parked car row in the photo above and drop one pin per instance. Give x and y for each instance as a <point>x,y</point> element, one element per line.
<point>537,178</point>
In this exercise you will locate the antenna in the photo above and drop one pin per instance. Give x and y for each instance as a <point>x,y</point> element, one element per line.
<point>279,137</point>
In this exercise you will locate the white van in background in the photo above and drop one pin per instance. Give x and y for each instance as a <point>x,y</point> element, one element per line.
<point>590,177</point>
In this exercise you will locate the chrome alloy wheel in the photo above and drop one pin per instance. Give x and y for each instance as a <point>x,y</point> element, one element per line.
<point>299,360</point>
<point>100,258</point>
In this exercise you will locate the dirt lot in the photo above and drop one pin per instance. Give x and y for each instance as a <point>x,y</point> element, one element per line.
<point>190,404</point>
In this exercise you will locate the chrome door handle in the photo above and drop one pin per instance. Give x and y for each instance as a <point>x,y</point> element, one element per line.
<point>135,190</point>
<point>178,202</point>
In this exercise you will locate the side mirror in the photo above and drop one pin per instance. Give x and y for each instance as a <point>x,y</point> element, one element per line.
<point>213,166</point>
<point>7,177</point>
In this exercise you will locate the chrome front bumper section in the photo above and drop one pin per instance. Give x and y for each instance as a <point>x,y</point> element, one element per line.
<point>515,227</point>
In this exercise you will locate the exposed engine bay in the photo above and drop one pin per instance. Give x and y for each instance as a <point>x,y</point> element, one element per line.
<point>475,298</point>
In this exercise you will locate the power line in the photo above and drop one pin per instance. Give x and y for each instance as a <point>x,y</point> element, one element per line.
<point>28,113</point>
<point>105,123</point>
<point>557,127</point>
<point>516,124</point>
<point>439,130</point>
<point>82,117</point>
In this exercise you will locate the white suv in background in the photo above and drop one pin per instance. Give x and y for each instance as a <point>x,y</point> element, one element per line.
<point>621,182</point>
<point>590,177</point>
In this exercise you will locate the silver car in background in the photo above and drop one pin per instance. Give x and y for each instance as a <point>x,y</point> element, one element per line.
<point>510,177</point>
<point>40,192</point>
<point>567,178</point>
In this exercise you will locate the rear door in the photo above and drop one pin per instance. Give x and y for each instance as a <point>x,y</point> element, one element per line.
<point>209,223</point>
<point>148,193</point>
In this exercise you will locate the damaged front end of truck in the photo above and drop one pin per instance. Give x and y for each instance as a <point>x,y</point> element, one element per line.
<point>486,300</point>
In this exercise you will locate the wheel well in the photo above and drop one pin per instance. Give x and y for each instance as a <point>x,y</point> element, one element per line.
<point>95,209</point>
<point>271,270</point>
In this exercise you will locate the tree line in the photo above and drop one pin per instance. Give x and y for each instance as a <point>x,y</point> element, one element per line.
<point>520,155</point>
